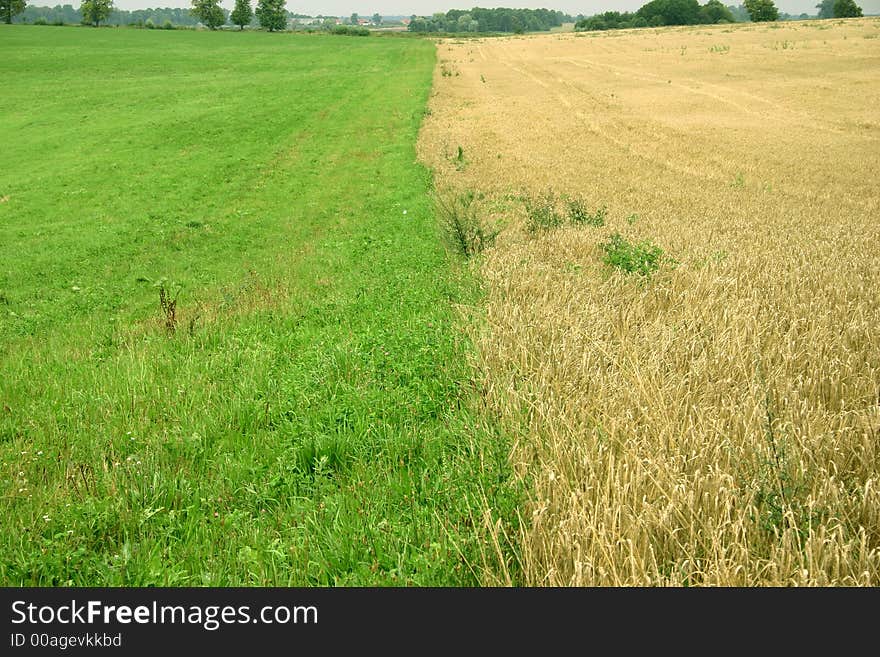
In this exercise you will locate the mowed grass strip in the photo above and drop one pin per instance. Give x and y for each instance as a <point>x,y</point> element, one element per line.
<point>305,417</point>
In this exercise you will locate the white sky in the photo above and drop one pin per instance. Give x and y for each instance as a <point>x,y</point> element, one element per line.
<point>367,8</point>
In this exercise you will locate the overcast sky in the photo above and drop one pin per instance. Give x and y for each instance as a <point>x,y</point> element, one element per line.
<point>427,7</point>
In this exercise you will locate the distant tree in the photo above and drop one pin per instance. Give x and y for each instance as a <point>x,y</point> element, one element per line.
<point>242,14</point>
<point>671,12</point>
<point>740,15</point>
<point>491,20</point>
<point>354,19</point>
<point>95,11</point>
<point>826,9</point>
<point>272,14</point>
<point>610,20</point>
<point>846,9</point>
<point>466,23</point>
<point>516,24</point>
<point>377,19</point>
<point>209,13</point>
<point>715,12</point>
<point>10,8</point>
<point>761,11</point>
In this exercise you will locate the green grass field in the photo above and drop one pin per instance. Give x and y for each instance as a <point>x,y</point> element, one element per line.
<point>310,419</point>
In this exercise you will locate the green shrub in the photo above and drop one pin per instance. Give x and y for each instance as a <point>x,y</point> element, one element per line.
<point>350,30</point>
<point>41,21</point>
<point>541,213</point>
<point>149,24</point>
<point>580,216</point>
<point>643,258</point>
<point>167,25</point>
<point>463,228</point>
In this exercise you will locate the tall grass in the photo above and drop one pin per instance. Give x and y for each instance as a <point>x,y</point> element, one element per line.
<point>230,343</point>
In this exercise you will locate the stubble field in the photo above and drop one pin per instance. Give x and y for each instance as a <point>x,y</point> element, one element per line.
<point>717,422</point>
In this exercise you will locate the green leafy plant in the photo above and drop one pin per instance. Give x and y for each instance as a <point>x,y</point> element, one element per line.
<point>541,213</point>
<point>780,497</point>
<point>642,258</point>
<point>578,213</point>
<point>548,211</point>
<point>168,303</point>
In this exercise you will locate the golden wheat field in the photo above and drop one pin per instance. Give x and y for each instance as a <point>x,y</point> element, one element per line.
<point>716,423</point>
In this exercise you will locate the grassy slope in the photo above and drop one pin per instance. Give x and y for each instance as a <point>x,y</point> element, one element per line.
<point>308,421</point>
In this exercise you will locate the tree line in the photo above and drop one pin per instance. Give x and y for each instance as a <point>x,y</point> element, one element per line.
<point>689,12</point>
<point>839,9</point>
<point>70,15</point>
<point>272,15</point>
<point>269,14</point>
<point>516,21</point>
